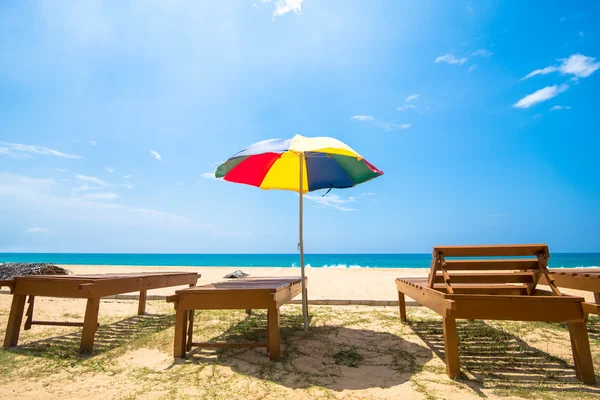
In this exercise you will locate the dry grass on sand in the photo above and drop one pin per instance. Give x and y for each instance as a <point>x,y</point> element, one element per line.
<point>353,352</point>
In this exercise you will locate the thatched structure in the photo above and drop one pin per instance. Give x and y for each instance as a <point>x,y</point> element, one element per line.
<point>10,270</point>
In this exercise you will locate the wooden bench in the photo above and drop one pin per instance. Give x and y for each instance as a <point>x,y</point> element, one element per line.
<point>246,293</point>
<point>90,287</point>
<point>462,285</point>
<point>586,279</point>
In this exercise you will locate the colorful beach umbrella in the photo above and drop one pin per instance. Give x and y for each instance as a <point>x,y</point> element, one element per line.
<point>300,164</point>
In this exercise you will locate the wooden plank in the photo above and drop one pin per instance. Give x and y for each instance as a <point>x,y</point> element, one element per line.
<point>190,330</point>
<point>90,325</point>
<point>402,306</point>
<point>498,277</point>
<point>29,313</point>
<point>445,274</point>
<point>51,288</point>
<point>58,323</point>
<point>518,308</point>
<point>591,308</point>
<point>428,297</point>
<point>224,300</point>
<point>9,283</point>
<point>451,348</point>
<point>285,295</point>
<point>274,342</point>
<point>574,282</point>
<point>493,264</point>
<point>493,250</point>
<point>486,289</point>
<point>179,344</point>
<point>142,302</point>
<point>13,328</point>
<point>229,345</point>
<point>584,365</point>
<point>433,268</point>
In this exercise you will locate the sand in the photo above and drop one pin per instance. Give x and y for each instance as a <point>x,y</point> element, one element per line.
<point>133,359</point>
<point>361,285</point>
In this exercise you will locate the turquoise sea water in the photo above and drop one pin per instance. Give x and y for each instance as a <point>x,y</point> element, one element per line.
<point>557,260</point>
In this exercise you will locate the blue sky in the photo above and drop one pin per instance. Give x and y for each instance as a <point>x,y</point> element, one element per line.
<point>483,116</point>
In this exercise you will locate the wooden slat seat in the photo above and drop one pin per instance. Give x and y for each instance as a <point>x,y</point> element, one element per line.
<point>462,284</point>
<point>245,293</point>
<point>91,287</point>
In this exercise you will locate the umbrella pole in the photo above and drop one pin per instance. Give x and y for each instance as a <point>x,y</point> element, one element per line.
<point>301,248</point>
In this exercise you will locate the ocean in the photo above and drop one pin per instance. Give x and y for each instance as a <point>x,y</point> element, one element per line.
<point>557,260</point>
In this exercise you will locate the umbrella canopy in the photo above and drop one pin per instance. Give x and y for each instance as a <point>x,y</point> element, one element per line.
<point>273,164</point>
<point>300,164</point>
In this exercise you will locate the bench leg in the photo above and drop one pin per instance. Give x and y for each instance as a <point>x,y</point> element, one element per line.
<point>582,356</point>
<point>274,344</point>
<point>451,348</point>
<point>190,330</point>
<point>90,325</point>
<point>402,306</point>
<point>180,332</point>
<point>142,302</point>
<point>29,313</point>
<point>13,328</point>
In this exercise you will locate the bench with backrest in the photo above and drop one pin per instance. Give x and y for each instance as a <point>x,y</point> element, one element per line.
<point>496,282</point>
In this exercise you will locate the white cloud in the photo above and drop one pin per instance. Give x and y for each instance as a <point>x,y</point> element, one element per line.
<point>38,230</point>
<point>578,65</point>
<point>101,196</point>
<point>482,53</point>
<point>557,108</point>
<point>472,68</point>
<point>127,176</point>
<point>337,202</point>
<point>91,179</point>
<point>285,6</point>
<point>209,175</point>
<point>92,142</point>
<point>450,59</point>
<point>34,196</point>
<point>412,97</point>
<point>536,116</point>
<point>155,155</point>
<point>406,107</point>
<point>541,95</point>
<point>60,169</point>
<point>109,169</point>
<point>180,183</point>
<point>389,126</point>
<point>386,126</point>
<point>581,34</point>
<point>5,151</point>
<point>24,148</point>
<point>362,118</point>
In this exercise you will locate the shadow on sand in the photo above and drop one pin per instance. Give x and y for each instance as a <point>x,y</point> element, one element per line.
<point>108,337</point>
<point>320,357</point>
<point>495,359</point>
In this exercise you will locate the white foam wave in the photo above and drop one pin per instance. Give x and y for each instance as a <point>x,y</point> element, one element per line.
<point>336,266</point>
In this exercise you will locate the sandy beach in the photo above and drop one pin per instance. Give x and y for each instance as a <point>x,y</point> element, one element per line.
<point>359,285</point>
<point>133,355</point>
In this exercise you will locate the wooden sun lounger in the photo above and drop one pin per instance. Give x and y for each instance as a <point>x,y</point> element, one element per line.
<point>246,293</point>
<point>90,287</point>
<point>500,289</point>
<point>587,279</point>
